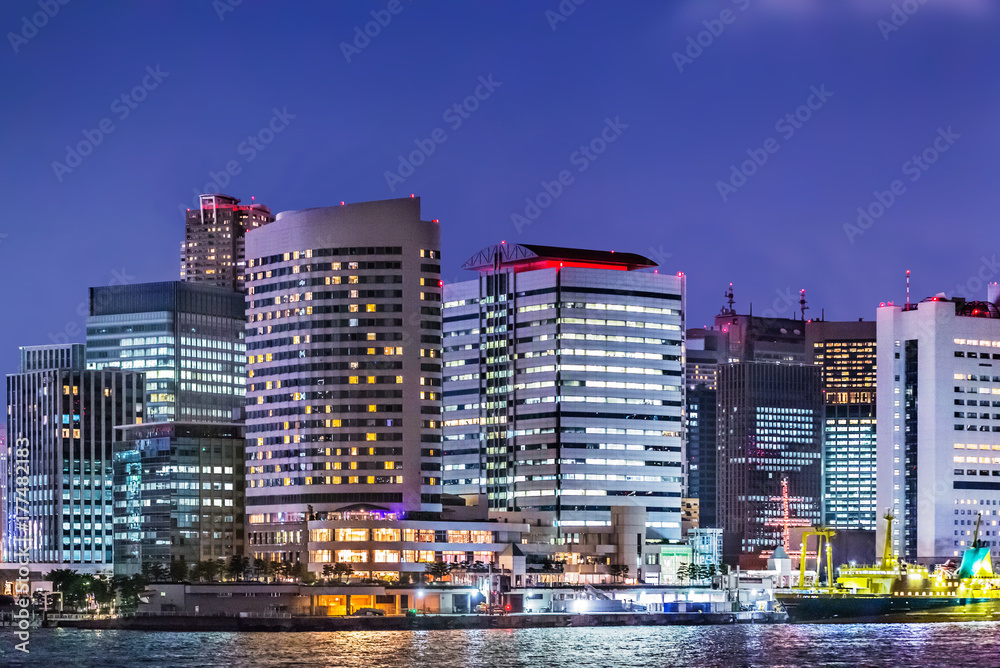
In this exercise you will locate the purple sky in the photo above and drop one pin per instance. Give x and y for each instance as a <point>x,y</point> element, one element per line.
<point>674,118</point>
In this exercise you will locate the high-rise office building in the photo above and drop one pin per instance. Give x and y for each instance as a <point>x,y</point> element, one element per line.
<point>563,387</point>
<point>939,425</point>
<point>178,492</point>
<point>705,350</point>
<point>845,353</point>
<point>213,250</point>
<point>769,419</point>
<point>734,337</point>
<point>187,339</point>
<point>68,416</point>
<point>344,395</point>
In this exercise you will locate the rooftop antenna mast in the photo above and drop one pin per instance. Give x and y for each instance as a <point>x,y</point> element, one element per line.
<point>802,304</point>
<point>730,301</point>
<point>907,289</point>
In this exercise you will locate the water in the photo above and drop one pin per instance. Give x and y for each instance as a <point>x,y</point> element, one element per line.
<point>928,645</point>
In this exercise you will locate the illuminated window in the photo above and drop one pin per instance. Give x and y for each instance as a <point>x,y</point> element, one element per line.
<point>385,535</point>
<point>349,535</point>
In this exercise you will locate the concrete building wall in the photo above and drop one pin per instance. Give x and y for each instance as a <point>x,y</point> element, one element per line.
<point>939,426</point>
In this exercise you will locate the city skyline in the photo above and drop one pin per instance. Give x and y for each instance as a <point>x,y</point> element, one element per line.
<point>464,327</point>
<point>656,182</point>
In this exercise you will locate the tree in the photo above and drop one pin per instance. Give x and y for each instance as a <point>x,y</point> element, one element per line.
<point>437,569</point>
<point>155,572</point>
<point>70,583</point>
<point>179,570</point>
<point>237,566</point>
<point>328,570</point>
<point>683,572</point>
<point>340,570</point>
<point>129,589</point>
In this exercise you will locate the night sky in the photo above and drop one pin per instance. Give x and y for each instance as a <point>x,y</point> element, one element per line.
<point>642,123</point>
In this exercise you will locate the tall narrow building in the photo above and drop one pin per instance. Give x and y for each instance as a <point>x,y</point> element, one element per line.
<point>344,341</point>
<point>705,350</point>
<point>67,415</point>
<point>187,339</point>
<point>770,418</point>
<point>213,250</point>
<point>845,353</point>
<point>563,387</point>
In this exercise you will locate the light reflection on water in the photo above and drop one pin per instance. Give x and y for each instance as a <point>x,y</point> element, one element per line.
<point>777,645</point>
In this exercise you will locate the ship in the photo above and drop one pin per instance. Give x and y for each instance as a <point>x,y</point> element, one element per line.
<point>896,591</point>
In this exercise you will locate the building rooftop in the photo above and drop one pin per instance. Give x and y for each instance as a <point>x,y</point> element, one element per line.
<point>527,257</point>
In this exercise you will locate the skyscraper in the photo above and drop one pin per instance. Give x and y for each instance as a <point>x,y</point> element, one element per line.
<point>845,352</point>
<point>68,415</point>
<point>732,338</point>
<point>213,250</point>
<point>563,386</point>
<point>179,494</point>
<point>705,350</point>
<point>186,338</point>
<point>344,341</point>
<point>769,418</point>
<point>939,424</point>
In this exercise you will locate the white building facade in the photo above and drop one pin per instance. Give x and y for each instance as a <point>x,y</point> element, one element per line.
<point>938,395</point>
<point>563,389</point>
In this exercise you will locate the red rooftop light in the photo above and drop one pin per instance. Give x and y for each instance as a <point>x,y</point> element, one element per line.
<point>412,195</point>
<point>341,203</point>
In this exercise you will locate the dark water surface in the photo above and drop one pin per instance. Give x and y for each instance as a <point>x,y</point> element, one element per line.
<point>965,644</point>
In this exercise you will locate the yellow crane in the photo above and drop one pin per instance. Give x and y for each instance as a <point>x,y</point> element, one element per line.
<point>821,533</point>
<point>888,561</point>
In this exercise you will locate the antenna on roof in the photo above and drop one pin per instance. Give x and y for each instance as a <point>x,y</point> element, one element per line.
<point>907,289</point>
<point>729,300</point>
<point>802,303</point>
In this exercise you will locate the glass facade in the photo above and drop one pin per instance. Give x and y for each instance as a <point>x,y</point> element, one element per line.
<point>178,494</point>
<point>770,429</point>
<point>187,339</point>
<point>65,418</point>
<point>849,452</point>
